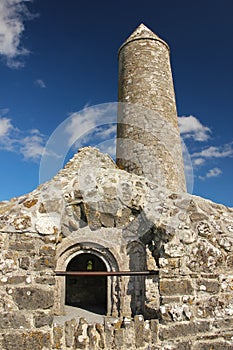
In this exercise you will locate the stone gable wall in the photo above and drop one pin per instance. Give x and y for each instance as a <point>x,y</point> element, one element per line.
<point>188,240</point>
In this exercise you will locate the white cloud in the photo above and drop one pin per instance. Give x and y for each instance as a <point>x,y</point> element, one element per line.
<point>199,161</point>
<point>215,152</point>
<point>5,126</point>
<point>215,172</point>
<point>92,123</point>
<point>40,83</point>
<point>191,127</point>
<point>13,13</point>
<point>30,144</point>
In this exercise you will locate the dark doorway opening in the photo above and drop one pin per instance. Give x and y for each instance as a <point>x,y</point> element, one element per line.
<point>87,292</point>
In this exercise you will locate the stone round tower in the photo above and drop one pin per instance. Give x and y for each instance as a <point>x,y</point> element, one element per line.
<point>148,138</point>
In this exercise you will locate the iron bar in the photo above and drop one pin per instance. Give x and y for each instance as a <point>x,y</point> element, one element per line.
<point>106,273</point>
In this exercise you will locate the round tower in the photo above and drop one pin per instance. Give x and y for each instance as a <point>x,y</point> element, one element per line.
<point>148,138</point>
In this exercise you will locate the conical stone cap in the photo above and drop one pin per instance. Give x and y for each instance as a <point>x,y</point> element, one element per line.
<point>142,32</point>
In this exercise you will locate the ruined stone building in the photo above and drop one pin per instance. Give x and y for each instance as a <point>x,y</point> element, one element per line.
<point>164,257</point>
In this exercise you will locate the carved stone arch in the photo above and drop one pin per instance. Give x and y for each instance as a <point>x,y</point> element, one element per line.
<point>69,252</point>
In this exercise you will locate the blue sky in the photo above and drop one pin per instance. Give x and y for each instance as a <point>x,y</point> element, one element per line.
<point>59,57</point>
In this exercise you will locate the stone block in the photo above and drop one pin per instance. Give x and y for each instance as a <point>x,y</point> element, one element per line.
<point>186,329</point>
<point>42,319</point>
<point>47,250</point>
<point>229,261</point>
<point>16,279</point>
<point>30,203</point>
<point>139,330</point>
<point>93,336</point>
<point>69,332</point>
<point>107,220</point>
<point>100,330</point>
<point>57,337</point>
<point>175,287</point>
<point>44,262</point>
<point>14,320</point>
<point>109,329</point>
<point>31,298</point>
<point>223,323</point>
<point>50,281</point>
<point>176,331</point>
<point>208,286</point>
<point>33,340</point>
<point>80,336</point>
<point>119,338</point>
<point>24,262</point>
<point>212,345</point>
<point>22,245</point>
<point>154,326</point>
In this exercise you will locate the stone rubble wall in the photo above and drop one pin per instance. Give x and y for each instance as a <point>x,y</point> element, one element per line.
<point>123,334</point>
<point>189,240</point>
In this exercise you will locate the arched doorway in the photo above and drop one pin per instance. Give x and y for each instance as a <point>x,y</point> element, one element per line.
<point>87,292</point>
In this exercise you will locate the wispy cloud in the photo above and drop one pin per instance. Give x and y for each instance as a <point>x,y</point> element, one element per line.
<point>29,144</point>
<point>13,14</point>
<point>92,125</point>
<point>215,152</point>
<point>5,127</point>
<point>212,152</point>
<point>191,127</point>
<point>215,172</point>
<point>40,83</point>
<point>199,161</point>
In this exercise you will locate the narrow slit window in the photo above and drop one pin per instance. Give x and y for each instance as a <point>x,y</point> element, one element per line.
<point>89,265</point>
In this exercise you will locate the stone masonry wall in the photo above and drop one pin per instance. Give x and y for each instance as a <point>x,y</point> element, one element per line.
<point>187,239</point>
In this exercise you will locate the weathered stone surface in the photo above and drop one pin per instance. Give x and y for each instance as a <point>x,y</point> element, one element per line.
<point>119,338</point>
<point>139,331</point>
<point>44,263</point>
<point>57,337</point>
<point>27,341</point>
<point>16,279</point>
<point>42,319</point>
<point>101,331</point>
<point>216,345</point>
<point>45,280</point>
<point>183,329</point>
<point>14,320</point>
<point>24,262</point>
<point>209,286</point>
<point>48,224</point>
<point>22,223</point>
<point>30,298</point>
<point>215,306</point>
<point>17,245</point>
<point>69,332</point>
<point>210,258</point>
<point>80,336</point>
<point>107,220</point>
<point>174,287</point>
<point>30,203</point>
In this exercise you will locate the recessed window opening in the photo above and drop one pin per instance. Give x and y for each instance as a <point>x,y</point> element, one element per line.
<point>87,292</point>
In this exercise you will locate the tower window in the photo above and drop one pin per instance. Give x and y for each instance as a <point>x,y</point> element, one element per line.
<point>89,265</point>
